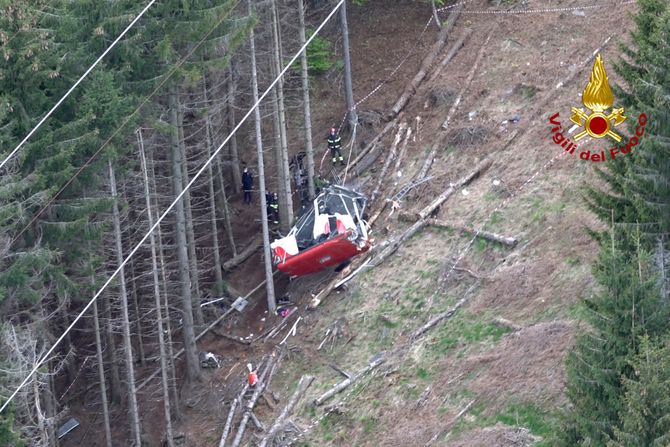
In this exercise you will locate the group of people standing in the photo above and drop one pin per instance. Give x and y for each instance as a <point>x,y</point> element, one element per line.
<point>334,145</point>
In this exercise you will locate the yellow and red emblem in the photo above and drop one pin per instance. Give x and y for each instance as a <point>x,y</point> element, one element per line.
<point>598,98</point>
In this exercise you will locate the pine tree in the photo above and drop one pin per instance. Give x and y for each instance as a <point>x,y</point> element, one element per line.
<point>646,405</point>
<point>627,307</point>
<point>640,182</point>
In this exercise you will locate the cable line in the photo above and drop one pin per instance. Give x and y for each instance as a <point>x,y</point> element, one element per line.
<point>76,84</point>
<point>169,208</point>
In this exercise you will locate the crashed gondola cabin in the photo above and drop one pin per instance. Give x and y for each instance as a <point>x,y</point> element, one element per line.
<point>328,234</point>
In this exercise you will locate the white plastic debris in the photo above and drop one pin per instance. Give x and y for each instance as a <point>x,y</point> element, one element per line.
<point>472,114</point>
<point>399,174</point>
<point>465,192</point>
<point>263,319</point>
<point>496,182</point>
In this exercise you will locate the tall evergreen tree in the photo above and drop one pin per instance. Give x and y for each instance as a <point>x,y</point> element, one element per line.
<point>640,183</point>
<point>627,307</point>
<point>646,407</point>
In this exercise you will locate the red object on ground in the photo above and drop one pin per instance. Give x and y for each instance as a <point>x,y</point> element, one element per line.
<point>253,378</point>
<point>326,254</point>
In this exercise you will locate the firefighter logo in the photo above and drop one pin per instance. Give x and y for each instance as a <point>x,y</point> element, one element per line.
<point>598,98</point>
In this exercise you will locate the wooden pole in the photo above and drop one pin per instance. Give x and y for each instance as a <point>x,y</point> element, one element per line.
<point>303,384</point>
<point>425,65</point>
<point>345,383</point>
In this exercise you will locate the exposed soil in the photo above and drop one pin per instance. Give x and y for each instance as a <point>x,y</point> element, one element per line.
<point>534,285</point>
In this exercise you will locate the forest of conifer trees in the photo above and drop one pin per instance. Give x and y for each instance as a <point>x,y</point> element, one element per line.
<point>84,191</point>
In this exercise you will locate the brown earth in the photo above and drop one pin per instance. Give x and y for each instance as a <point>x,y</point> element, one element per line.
<point>535,285</point>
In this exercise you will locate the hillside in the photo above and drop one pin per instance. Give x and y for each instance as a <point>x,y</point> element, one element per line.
<point>490,374</point>
<point>482,382</point>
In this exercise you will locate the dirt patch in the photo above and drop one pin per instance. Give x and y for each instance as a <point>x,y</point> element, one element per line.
<point>525,366</point>
<point>499,436</point>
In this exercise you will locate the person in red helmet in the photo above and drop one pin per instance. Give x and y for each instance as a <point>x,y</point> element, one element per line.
<point>335,145</point>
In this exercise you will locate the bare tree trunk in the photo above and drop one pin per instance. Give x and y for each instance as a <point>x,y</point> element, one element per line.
<point>234,157</point>
<point>303,384</point>
<point>269,284</point>
<point>435,16</point>
<point>214,198</point>
<point>190,232</point>
<point>389,159</point>
<point>309,149</point>
<point>123,299</point>
<point>223,204</point>
<point>51,410</point>
<point>115,379</point>
<point>101,373</point>
<point>193,373</point>
<point>41,419</point>
<point>218,277</point>
<point>166,304</point>
<point>136,305</point>
<point>349,92</point>
<point>285,205</point>
<point>157,297</point>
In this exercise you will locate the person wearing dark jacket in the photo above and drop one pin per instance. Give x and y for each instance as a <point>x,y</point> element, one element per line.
<point>247,184</point>
<point>272,207</point>
<point>335,145</point>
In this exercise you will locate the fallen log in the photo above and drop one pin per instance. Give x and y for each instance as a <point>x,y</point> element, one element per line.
<point>450,55</point>
<point>200,335</point>
<point>265,377</point>
<point>231,338</point>
<point>333,283</point>
<point>339,370</point>
<point>506,324</point>
<point>368,160</point>
<point>378,213</point>
<point>229,421</point>
<point>468,81</point>
<point>403,149</point>
<point>305,382</point>
<point>451,423</point>
<point>428,162</point>
<point>233,407</point>
<point>389,158</point>
<point>390,247</point>
<point>428,210</point>
<point>345,383</point>
<point>370,146</point>
<point>259,425</point>
<point>426,64</point>
<point>436,319</point>
<point>494,237</point>
<point>244,255</point>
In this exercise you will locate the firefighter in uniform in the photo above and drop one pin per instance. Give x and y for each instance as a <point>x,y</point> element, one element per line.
<point>272,207</point>
<point>335,144</point>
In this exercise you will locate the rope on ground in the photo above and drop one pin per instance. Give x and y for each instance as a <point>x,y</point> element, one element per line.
<point>537,11</point>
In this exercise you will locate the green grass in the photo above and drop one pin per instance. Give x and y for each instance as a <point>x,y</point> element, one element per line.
<point>573,262</point>
<point>327,427</point>
<point>423,374</point>
<point>541,209</point>
<point>527,415</point>
<point>481,245</point>
<point>369,424</point>
<point>463,331</point>
<point>496,218</point>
